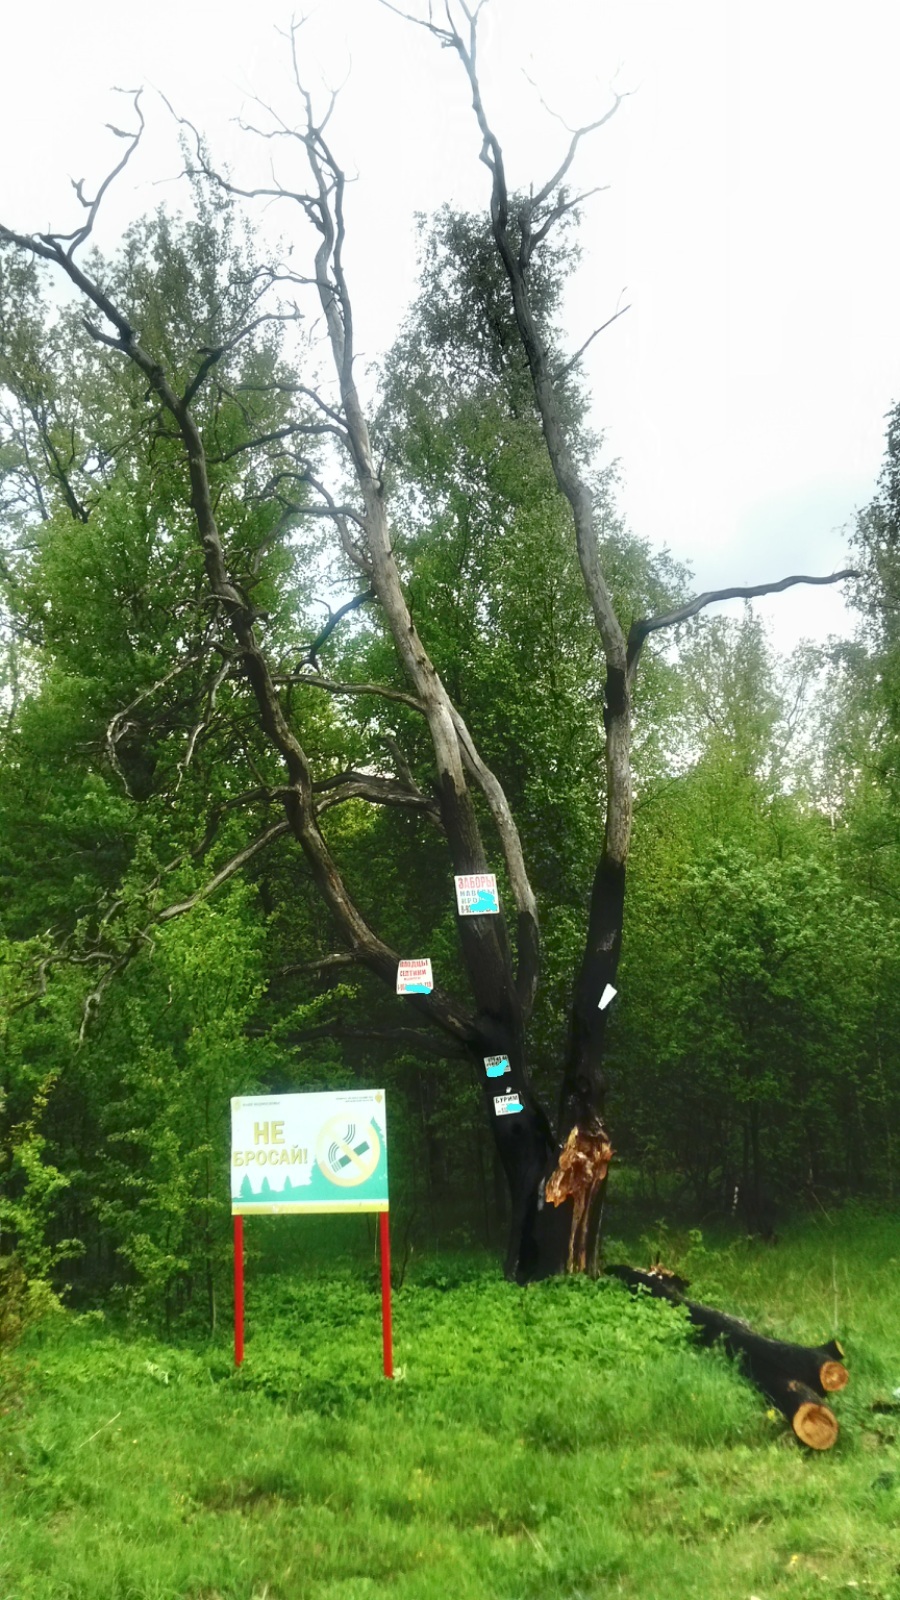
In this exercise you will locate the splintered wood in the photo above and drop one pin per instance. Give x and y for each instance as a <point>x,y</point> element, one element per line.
<point>580,1172</point>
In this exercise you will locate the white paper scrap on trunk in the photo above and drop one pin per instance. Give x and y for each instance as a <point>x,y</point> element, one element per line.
<point>609,993</point>
<point>476,895</point>
<point>414,977</point>
<point>506,1104</point>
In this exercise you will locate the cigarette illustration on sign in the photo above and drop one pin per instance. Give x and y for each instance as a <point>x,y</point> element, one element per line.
<point>476,895</point>
<point>496,1066</point>
<point>347,1152</point>
<point>414,977</point>
<point>506,1104</point>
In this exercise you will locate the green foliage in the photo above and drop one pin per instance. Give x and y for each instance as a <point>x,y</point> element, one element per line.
<point>758,1017</point>
<point>754,1037</point>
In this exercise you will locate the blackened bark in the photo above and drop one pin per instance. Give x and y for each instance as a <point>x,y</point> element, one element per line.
<point>583,1088</point>
<point>523,1138</point>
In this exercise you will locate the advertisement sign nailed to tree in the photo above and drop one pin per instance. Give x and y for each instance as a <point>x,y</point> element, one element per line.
<point>476,895</point>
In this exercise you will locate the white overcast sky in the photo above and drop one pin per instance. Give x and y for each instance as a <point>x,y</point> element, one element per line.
<point>750,216</point>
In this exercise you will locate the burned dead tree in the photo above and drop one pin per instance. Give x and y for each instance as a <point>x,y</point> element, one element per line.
<point>520,227</point>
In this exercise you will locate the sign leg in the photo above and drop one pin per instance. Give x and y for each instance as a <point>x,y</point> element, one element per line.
<point>238,1290</point>
<point>384,1236</point>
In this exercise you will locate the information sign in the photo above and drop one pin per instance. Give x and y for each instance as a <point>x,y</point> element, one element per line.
<point>309,1152</point>
<point>506,1104</point>
<point>496,1066</point>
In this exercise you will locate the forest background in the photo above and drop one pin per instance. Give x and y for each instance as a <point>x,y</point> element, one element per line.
<point>754,1044</point>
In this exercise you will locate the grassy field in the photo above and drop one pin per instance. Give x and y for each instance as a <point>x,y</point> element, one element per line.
<point>557,1441</point>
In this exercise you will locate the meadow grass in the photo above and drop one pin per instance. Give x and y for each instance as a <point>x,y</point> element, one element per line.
<point>563,1440</point>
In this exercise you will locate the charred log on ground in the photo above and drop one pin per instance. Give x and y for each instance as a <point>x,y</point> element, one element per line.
<point>794,1377</point>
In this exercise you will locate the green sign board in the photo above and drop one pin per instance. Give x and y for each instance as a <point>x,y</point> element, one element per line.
<point>309,1152</point>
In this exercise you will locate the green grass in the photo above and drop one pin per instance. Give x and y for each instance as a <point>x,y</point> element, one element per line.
<point>559,1441</point>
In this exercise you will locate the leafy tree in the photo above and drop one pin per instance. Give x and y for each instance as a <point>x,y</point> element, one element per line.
<point>170,465</point>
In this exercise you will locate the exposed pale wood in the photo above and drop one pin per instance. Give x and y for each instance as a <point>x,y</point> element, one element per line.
<point>833,1376</point>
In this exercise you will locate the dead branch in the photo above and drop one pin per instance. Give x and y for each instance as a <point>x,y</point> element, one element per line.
<point>569,366</point>
<point>211,357</point>
<point>335,618</point>
<point>92,207</point>
<point>377,790</point>
<point>640,630</point>
<point>379,689</point>
<point>119,724</point>
<point>235,864</point>
<point>291,430</point>
<point>330,963</point>
<point>203,723</point>
<point>325,207</point>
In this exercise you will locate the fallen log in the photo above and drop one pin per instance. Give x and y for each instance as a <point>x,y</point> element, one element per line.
<point>815,1425</point>
<point>793,1376</point>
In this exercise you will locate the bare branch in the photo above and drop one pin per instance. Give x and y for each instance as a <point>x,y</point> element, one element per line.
<point>335,618</point>
<point>289,431</point>
<point>553,183</point>
<point>198,728</point>
<point>382,792</point>
<point>118,724</point>
<point>250,797</point>
<point>379,689</point>
<point>93,206</point>
<point>330,963</point>
<point>564,205</point>
<point>281,386</point>
<point>563,372</point>
<point>212,357</point>
<point>377,790</point>
<point>233,865</point>
<point>340,516</point>
<point>444,34</point>
<point>639,630</point>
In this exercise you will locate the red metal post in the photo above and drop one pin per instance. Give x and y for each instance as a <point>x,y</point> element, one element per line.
<point>238,1290</point>
<point>384,1235</point>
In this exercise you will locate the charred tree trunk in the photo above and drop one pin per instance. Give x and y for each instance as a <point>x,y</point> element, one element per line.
<point>577,1182</point>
